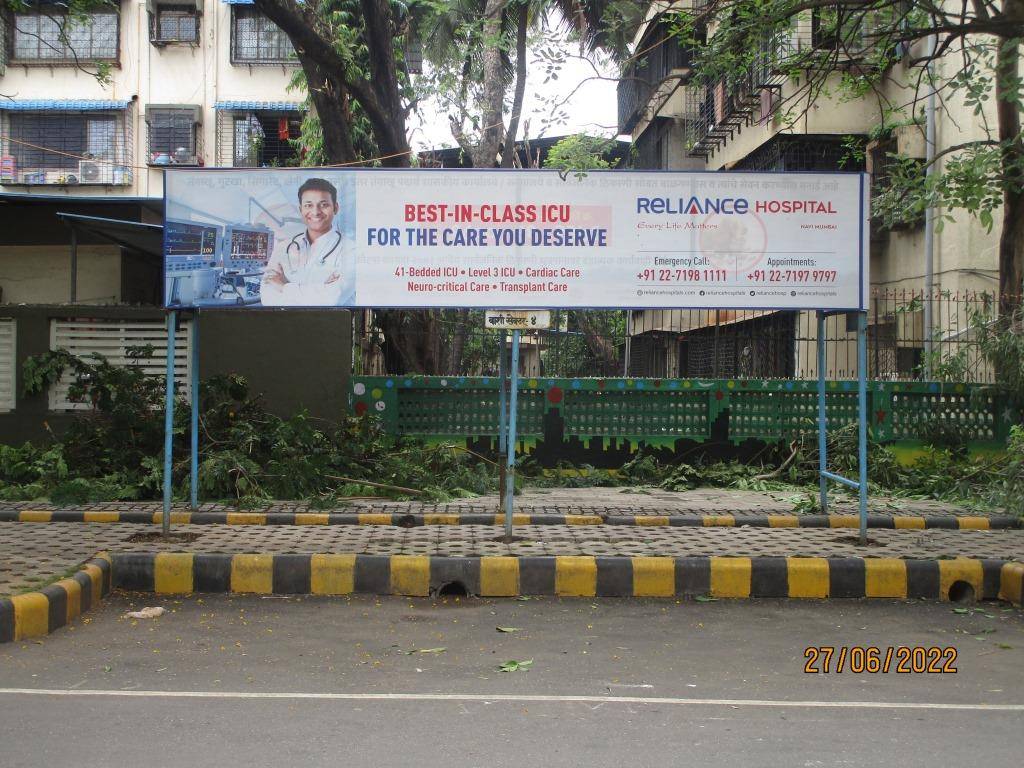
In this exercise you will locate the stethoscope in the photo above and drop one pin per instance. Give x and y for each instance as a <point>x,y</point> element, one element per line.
<point>298,247</point>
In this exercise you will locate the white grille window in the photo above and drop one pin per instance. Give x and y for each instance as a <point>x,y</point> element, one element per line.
<point>255,39</point>
<point>56,38</point>
<point>111,339</point>
<point>8,329</point>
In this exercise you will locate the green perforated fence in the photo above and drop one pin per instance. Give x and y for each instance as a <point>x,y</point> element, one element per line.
<point>666,410</point>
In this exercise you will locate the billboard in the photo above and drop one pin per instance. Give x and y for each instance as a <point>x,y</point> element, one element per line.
<point>504,239</point>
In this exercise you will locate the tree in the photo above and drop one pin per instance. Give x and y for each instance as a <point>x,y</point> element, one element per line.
<point>470,46</point>
<point>966,55</point>
<point>347,49</point>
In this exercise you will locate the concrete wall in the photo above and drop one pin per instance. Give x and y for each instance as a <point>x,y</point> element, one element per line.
<point>199,74</point>
<point>42,274</point>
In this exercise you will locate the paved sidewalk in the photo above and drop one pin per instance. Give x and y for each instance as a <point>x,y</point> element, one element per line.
<point>574,501</point>
<point>34,554</point>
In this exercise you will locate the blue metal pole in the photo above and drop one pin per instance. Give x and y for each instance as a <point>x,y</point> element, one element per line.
<point>513,396</point>
<point>502,422</point>
<point>502,404</point>
<point>172,325</point>
<point>194,464</point>
<point>862,412</point>
<point>822,419</point>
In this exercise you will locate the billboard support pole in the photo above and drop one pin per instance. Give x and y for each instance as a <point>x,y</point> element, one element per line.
<point>822,418</point>
<point>862,413</point>
<point>194,457</point>
<point>861,483</point>
<point>510,477</point>
<point>172,328</point>
<point>502,423</point>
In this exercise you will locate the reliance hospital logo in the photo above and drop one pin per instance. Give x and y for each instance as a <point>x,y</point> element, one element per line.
<point>728,206</point>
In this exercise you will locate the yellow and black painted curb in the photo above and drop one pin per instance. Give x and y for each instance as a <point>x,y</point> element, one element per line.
<point>408,520</point>
<point>570,576</point>
<point>1011,583</point>
<point>35,614</point>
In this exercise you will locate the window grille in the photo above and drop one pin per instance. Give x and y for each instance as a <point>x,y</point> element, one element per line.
<point>8,362</point>
<point>55,38</point>
<point>258,139</point>
<point>174,24</point>
<point>3,42</point>
<point>174,135</point>
<point>85,147</point>
<point>255,39</point>
<point>111,339</point>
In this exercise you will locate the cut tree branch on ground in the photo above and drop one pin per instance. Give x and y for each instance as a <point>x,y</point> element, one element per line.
<point>384,486</point>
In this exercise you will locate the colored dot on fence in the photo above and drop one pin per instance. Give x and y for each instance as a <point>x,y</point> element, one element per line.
<point>389,383</point>
<point>555,394</point>
<point>532,383</point>
<point>359,388</point>
<point>377,392</point>
<point>408,382</point>
<point>360,408</point>
<point>673,385</point>
<point>731,384</point>
<point>576,384</point>
<point>639,385</point>
<point>621,384</point>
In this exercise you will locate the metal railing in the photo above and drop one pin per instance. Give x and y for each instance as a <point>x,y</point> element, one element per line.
<point>711,343</point>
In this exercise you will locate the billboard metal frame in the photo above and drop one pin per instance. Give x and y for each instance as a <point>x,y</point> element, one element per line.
<point>508,403</point>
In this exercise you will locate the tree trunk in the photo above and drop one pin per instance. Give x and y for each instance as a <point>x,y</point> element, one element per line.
<point>492,128</point>
<point>379,94</point>
<point>330,102</point>
<point>601,347</point>
<point>509,150</point>
<point>459,342</point>
<point>1011,237</point>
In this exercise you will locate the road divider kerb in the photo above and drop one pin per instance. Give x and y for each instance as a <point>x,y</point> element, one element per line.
<point>405,519</point>
<point>38,613</point>
<point>35,614</point>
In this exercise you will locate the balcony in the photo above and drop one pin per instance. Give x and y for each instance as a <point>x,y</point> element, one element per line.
<point>65,143</point>
<point>661,65</point>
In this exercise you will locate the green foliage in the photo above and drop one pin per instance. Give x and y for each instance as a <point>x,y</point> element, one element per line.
<point>114,450</point>
<point>578,154</point>
<point>1002,343</point>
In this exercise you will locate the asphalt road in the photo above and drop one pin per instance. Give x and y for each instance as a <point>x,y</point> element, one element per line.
<point>395,682</point>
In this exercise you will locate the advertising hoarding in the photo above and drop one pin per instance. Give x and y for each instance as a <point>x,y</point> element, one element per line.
<point>505,239</point>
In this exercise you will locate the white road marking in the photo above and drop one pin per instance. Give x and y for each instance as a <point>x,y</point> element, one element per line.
<point>510,697</point>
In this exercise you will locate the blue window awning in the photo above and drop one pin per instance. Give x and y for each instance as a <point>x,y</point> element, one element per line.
<point>249,106</point>
<point>61,105</point>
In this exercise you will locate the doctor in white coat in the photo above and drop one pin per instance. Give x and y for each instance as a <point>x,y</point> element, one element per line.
<point>308,270</point>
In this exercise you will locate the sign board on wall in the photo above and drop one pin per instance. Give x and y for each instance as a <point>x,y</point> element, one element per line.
<point>310,237</point>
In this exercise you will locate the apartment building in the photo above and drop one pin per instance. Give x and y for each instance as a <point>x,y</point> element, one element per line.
<point>677,124</point>
<point>82,160</point>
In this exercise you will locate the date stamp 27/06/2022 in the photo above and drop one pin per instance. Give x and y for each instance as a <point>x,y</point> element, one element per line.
<point>902,659</point>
